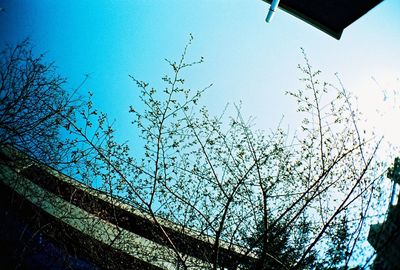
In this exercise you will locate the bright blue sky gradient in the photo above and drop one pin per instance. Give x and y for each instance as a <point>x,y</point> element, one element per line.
<point>245,58</point>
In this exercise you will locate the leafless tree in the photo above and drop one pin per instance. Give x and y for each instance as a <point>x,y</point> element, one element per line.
<point>277,202</point>
<point>32,96</point>
<point>287,203</point>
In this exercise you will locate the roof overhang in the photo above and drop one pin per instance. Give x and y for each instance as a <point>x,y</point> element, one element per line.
<point>330,16</point>
<point>76,213</point>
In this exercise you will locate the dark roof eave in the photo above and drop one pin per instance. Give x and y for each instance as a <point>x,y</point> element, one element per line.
<point>329,16</point>
<point>316,24</point>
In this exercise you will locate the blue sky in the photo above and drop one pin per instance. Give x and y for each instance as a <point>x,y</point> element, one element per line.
<point>245,58</point>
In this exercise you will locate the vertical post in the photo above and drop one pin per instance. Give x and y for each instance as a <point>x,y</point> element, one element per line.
<point>394,175</point>
<point>393,192</point>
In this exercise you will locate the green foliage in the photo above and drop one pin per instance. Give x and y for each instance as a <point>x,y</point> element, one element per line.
<point>281,246</point>
<point>394,171</point>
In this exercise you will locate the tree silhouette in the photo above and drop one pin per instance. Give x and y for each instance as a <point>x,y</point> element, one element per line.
<point>32,97</point>
<point>287,203</point>
<point>277,202</point>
